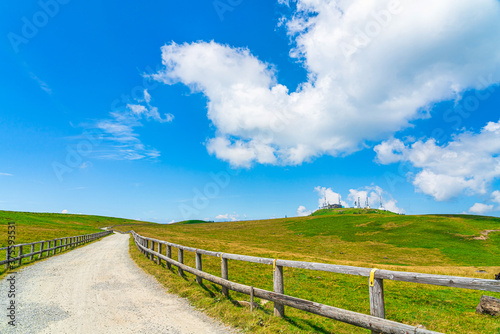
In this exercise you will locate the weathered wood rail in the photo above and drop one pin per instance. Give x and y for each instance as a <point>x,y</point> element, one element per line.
<point>46,246</point>
<point>375,322</point>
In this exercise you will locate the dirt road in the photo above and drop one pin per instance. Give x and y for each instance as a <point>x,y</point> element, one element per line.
<point>97,289</point>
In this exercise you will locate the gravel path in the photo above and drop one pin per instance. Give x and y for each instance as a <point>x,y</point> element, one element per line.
<point>97,289</point>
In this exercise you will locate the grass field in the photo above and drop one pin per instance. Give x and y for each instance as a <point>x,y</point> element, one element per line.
<point>31,227</point>
<point>437,244</point>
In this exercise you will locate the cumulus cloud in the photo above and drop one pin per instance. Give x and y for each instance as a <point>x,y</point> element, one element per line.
<point>495,197</point>
<point>329,196</point>
<point>302,211</point>
<point>119,131</point>
<point>480,208</point>
<point>64,211</point>
<point>374,195</point>
<point>372,66</point>
<point>227,217</point>
<point>467,164</point>
<point>146,110</point>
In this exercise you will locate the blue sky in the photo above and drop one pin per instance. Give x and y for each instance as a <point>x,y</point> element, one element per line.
<point>224,110</point>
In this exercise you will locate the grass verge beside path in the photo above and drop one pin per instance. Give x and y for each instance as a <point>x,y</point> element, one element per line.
<point>427,244</point>
<point>31,227</point>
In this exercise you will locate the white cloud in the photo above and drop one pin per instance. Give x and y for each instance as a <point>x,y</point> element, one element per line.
<point>495,197</point>
<point>371,68</point>
<point>149,111</point>
<point>328,195</point>
<point>147,96</point>
<point>480,208</point>
<point>119,131</point>
<point>86,164</point>
<point>227,217</point>
<point>375,195</point>
<point>43,85</point>
<point>467,164</point>
<point>64,211</point>
<point>5,174</point>
<point>302,211</point>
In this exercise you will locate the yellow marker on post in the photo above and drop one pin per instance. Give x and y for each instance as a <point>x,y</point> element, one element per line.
<point>372,276</point>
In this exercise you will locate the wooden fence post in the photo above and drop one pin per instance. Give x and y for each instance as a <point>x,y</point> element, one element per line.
<point>279,309</point>
<point>169,255</point>
<point>251,299</point>
<point>224,273</point>
<point>55,247</point>
<point>152,248</point>
<point>377,306</point>
<point>158,260</point>
<point>7,257</point>
<point>199,266</point>
<point>41,250</point>
<point>32,251</point>
<point>181,260</point>
<point>20,253</point>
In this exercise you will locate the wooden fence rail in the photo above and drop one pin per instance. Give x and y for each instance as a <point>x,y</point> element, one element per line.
<point>376,322</point>
<point>52,245</point>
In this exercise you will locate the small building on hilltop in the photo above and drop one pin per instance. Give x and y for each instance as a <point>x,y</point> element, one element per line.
<point>327,205</point>
<point>332,206</point>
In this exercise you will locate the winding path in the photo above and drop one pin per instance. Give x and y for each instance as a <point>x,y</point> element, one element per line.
<point>98,289</point>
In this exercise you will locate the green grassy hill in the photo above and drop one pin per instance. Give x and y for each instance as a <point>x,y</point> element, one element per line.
<point>437,244</point>
<point>31,227</point>
<point>351,211</point>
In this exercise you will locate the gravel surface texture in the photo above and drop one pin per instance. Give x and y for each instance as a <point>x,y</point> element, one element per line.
<point>97,289</point>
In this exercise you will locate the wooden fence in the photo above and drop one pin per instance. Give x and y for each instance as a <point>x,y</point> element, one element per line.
<point>52,246</point>
<point>375,322</point>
